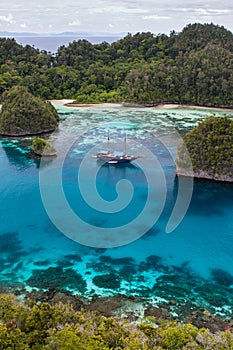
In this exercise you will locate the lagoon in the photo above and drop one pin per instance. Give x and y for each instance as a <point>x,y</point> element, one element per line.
<point>192,264</point>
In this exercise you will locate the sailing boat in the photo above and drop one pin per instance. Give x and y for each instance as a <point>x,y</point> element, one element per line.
<point>113,159</point>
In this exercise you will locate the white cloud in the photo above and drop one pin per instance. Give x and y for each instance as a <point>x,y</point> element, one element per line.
<point>134,10</point>
<point>117,9</point>
<point>204,11</point>
<point>156,17</point>
<point>23,25</point>
<point>216,12</point>
<point>8,19</point>
<point>75,23</point>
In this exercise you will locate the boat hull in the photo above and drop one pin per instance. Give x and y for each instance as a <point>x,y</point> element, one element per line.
<point>113,159</point>
<point>119,161</point>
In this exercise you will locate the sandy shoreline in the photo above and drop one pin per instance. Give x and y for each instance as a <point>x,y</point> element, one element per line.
<point>95,105</point>
<point>61,102</point>
<point>69,103</point>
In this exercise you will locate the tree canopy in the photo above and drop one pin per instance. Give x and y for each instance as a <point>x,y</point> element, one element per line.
<point>43,147</point>
<point>194,66</point>
<point>44,326</point>
<point>24,114</point>
<point>210,148</point>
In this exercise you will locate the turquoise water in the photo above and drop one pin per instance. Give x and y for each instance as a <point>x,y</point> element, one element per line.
<point>192,263</point>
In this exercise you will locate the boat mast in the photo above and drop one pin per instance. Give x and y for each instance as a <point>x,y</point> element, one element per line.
<point>108,142</point>
<point>125,145</point>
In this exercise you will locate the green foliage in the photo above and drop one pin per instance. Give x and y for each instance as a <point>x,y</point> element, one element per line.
<point>11,309</point>
<point>40,146</point>
<point>45,327</point>
<point>193,66</point>
<point>69,338</point>
<point>24,114</point>
<point>178,336</point>
<point>94,94</point>
<point>12,338</point>
<point>209,146</point>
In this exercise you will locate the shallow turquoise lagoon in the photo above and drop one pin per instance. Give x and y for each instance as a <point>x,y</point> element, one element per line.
<point>193,262</point>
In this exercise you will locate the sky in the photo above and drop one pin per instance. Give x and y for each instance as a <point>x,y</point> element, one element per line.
<point>111,16</point>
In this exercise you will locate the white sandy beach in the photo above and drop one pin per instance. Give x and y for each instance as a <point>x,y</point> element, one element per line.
<point>69,103</point>
<point>61,102</point>
<point>167,106</point>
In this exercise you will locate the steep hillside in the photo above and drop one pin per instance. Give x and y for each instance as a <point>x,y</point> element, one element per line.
<point>194,66</point>
<point>210,148</point>
<point>24,114</point>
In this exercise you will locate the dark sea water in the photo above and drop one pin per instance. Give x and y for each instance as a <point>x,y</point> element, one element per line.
<point>192,263</point>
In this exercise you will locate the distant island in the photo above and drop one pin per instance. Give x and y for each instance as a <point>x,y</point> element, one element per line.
<point>209,146</point>
<point>24,114</point>
<point>66,34</point>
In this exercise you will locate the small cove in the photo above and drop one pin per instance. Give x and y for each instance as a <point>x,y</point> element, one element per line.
<point>194,262</point>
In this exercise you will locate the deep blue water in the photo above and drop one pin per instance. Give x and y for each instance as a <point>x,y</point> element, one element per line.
<point>194,261</point>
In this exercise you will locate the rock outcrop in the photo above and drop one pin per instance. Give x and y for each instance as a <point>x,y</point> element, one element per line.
<point>42,147</point>
<point>24,114</point>
<point>207,151</point>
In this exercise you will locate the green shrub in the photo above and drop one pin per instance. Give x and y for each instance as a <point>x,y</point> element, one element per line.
<point>40,146</point>
<point>58,327</point>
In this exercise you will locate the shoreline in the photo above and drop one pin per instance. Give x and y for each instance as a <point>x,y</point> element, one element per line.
<point>122,320</point>
<point>69,103</point>
<point>129,307</point>
<point>202,175</point>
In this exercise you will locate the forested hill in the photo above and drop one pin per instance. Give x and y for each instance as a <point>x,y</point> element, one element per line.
<point>193,66</point>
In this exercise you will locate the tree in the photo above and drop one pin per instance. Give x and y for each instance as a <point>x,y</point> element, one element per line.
<point>24,114</point>
<point>209,146</point>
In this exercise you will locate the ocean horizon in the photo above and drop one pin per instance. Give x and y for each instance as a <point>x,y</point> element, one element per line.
<point>52,43</point>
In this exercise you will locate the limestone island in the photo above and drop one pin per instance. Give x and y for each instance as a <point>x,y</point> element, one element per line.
<point>25,114</point>
<point>207,151</point>
<point>43,148</point>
